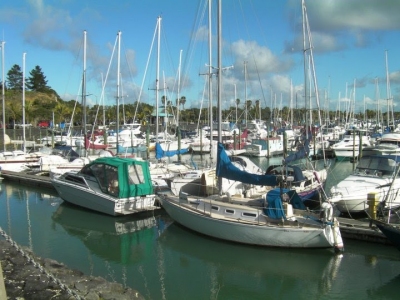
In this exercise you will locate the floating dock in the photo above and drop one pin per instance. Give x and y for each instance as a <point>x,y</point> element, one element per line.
<point>37,180</point>
<point>361,230</point>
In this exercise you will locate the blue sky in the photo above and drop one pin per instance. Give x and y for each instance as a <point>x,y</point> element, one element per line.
<point>350,39</point>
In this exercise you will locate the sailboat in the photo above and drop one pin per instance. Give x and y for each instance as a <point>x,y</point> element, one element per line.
<point>15,160</point>
<point>277,224</point>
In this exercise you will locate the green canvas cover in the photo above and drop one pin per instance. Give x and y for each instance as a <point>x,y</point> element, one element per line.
<point>123,177</point>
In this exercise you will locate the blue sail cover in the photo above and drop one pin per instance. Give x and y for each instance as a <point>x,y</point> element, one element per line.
<point>227,170</point>
<point>304,150</point>
<point>161,153</point>
<point>274,208</point>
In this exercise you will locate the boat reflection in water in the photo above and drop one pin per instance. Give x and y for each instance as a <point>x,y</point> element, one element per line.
<point>276,273</point>
<point>124,240</point>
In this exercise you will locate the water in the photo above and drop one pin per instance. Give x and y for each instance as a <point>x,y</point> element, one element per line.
<point>165,261</point>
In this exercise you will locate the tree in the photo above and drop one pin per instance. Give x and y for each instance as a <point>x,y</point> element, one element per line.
<point>182,101</point>
<point>15,78</point>
<point>37,81</point>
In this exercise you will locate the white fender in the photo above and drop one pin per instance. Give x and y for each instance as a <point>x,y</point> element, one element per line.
<point>328,211</point>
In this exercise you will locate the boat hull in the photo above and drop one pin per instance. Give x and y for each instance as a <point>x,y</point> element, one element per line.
<point>253,233</point>
<point>103,203</point>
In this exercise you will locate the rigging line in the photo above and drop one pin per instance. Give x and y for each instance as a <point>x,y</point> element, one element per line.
<point>145,72</point>
<point>130,68</point>
<point>252,52</point>
<point>168,52</point>
<point>201,106</point>
<point>188,60</point>
<point>70,74</point>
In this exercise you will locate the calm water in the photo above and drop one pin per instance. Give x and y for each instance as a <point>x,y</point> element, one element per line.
<point>165,261</point>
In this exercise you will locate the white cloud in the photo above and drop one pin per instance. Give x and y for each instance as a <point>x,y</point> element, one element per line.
<point>259,59</point>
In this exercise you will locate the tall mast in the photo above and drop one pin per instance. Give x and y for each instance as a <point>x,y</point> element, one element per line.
<point>179,88</point>
<point>118,82</point>
<point>219,70</point>
<point>158,72</point>
<point>84,83</point>
<point>3,95</point>
<point>210,102</point>
<point>245,92</point>
<point>23,102</point>
<point>388,93</point>
<point>305,55</point>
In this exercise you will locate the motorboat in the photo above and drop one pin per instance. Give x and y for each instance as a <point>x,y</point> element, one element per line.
<point>388,144</point>
<point>110,185</point>
<point>352,142</point>
<point>373,174</point>
<point>265,147</point>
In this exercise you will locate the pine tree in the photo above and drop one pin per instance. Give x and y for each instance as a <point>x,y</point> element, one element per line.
<point>37,81</point>
<point>14,78</point>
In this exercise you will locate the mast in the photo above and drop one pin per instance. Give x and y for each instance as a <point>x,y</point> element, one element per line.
<point>388,92</point>
<point>179,88</point>
<point>210,104</point>
<point>3,95</point>
<point>291,104</point>
<point>305,68</point>
<point>84,83</point>
<point>118,82</point>
<point>245,92</point>
<point>158,72</point>
<point>219,70</point>
<point>23,102</point>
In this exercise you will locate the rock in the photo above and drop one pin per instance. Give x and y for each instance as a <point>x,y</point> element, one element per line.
<point>48,279</point>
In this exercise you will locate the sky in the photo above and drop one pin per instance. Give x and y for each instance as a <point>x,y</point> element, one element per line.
<point>355,45</point>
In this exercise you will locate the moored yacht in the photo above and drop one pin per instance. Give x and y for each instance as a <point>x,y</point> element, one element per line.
<point>373,174</point>
<point>388,144</point>
<point>352,142</point>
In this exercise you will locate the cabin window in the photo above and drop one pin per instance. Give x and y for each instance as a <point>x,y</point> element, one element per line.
<point>136,174</point>
<point>247,214</point>
<point>215,207</point>
<point>75,179</point>
<point>229,211</point>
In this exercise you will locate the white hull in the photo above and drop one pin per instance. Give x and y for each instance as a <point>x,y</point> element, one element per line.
<point>103,203</point>
<point>351,194</point>
<point>346,152</point>
<point>275,148</point>
<point>350,145</point>
<point>247,225</point>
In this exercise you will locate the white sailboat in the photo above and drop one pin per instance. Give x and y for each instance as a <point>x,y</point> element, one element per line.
<point>276,225</point>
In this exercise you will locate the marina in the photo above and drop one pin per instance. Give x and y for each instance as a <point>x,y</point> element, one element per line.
<point>160,259</point>
<point>263,187</point>
<point>351,228</point>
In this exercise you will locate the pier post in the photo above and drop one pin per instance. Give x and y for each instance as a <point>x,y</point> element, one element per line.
<point>373,200</point>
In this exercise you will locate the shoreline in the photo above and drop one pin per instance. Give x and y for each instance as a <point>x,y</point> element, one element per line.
<point>27,276</point>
